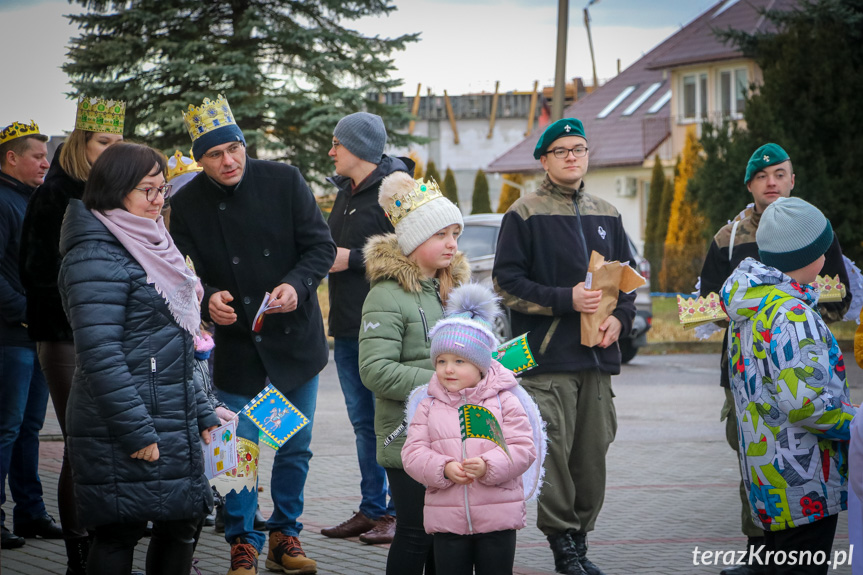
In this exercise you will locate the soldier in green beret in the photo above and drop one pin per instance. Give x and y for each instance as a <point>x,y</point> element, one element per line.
<point>769,176</point>
<point>540,268</point>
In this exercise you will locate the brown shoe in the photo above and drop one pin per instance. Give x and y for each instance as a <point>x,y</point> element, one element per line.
<point>287,554</point>
<point>382,533</point>
<point>244,558</point>
<point>356,525</point>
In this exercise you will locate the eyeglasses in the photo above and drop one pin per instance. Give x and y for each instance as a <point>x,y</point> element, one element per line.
<point>562,153</point>
<point>336,144</point>
<point>233,150</point>
<point>153,193</point>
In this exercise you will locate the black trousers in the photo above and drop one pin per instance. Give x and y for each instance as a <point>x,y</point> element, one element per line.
<point>811,537</point>
<point>170,551</point>
<point>411,549</point>
<point>489,553</point>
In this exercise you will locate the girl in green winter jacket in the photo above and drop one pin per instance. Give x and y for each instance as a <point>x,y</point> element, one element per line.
<point>411,273</point>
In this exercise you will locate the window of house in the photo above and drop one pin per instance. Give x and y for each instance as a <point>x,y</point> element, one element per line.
<point>694,96</point>
<point>733,85</point>
<point>616,102</point>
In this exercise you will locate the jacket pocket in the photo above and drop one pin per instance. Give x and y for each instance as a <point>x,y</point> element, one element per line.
<point>153,386</point>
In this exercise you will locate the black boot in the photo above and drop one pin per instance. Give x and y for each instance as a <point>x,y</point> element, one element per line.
<point>219,526</point>
<point>77,549</point>
<point>752,542</point>
<point>260,520</point>
<point>580,542</point>
<point>565,555</point>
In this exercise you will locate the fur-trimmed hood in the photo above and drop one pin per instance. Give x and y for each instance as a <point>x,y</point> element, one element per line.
<point>385,260</point>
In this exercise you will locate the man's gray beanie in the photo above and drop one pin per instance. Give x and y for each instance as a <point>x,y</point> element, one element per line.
<point>363,135</point>
<point>792,233</point>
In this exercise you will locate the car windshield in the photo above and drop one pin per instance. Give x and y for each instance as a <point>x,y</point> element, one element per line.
<point>478,241</point>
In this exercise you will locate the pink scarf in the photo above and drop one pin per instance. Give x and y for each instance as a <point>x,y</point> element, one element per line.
<point>150,244</point>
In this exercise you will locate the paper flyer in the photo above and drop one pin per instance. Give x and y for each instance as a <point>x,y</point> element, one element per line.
<point>220,455</point>
<point>258,323</point>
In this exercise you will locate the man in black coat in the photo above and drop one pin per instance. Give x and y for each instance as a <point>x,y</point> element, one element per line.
<point>357,152</point>
<point>23,390</point>
<point>252,227</point>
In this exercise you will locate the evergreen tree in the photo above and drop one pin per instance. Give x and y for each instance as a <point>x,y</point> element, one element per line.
<point>480,203</point>
<point>509,194</point>
<point>810,104</point>
<point>290,69</point>
<point>652,243</point>
<point>718,185</point>
<point>684,242</point>
<point>450,190</point>
<point>418,164</point>
<point>664,214</point>
<point>433,174</point>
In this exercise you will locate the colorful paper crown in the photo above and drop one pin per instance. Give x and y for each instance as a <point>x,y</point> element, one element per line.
<point>98,115</point>
<point>208,116</point>
<point>402,204</point>
<point>831,289</point>
<point>694,311</point>
<point>697,311</point>
<point>178,164</point>
<point>18,130</point>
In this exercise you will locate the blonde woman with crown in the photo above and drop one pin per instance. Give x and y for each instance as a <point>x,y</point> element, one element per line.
<point>412,273</point>
<point>98,125</point>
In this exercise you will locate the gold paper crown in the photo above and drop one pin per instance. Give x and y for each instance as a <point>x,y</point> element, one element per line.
<point>695,311</point>
<point>831,289</point>
<point>99,115</point>
<point>403,204</point>
<point>179,165</point>
<point>18,130</point>
<point>208,116</point>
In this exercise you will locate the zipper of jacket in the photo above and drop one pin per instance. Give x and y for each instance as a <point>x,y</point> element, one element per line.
<point>463,457</point>
<point>153,384</point>
<point>586,254</point>
<point>425,322</point>
<point>345,215</point>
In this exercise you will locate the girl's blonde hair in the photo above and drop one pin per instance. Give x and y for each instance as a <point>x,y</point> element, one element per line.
<point>73,156</point>
<point>446,283</point>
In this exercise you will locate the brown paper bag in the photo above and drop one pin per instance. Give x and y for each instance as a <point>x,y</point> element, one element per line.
<point>612,278</point>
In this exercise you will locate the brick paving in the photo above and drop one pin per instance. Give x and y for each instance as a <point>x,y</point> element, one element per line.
<point>672,484</point>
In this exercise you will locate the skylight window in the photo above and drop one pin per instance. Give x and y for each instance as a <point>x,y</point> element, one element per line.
<point>660,103</point>
<point>642,99</point>
<point>616,102</point>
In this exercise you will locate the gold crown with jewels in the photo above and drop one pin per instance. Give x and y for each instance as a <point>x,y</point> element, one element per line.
<point>696,311</point>
<point>18,130</point>
<point>403,204</point>
<point>178,164</point>
<point>100,115</point>
<point>210,115</point>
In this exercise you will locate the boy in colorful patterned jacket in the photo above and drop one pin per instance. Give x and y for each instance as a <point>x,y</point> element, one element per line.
<point>788,379</point>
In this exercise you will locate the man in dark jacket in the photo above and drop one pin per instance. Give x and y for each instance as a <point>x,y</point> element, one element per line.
<point>23,390</point>
<point>253,227</point>
<point>357,152</point>
<point>769,175</point>
<point>540,268</point>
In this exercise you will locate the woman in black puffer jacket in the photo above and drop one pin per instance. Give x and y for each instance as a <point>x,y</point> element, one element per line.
<point>135,417</point>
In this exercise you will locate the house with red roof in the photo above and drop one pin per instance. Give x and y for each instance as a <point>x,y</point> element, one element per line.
<point>691,77</point>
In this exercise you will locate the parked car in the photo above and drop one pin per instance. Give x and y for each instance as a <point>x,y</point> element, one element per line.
<point>479,240</point>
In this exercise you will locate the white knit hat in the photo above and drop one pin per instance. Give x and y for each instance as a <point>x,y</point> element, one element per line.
<point>417,209</point>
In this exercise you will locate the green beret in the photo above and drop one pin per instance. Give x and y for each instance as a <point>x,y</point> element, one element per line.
<point>559,129</point>
<point>766,155</point>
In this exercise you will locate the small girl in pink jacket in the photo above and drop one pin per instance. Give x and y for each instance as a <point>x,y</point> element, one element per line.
<point>475,494</point>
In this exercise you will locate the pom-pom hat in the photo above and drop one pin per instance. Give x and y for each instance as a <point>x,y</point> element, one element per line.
<point>417,209</point>
<point>466,330</point>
